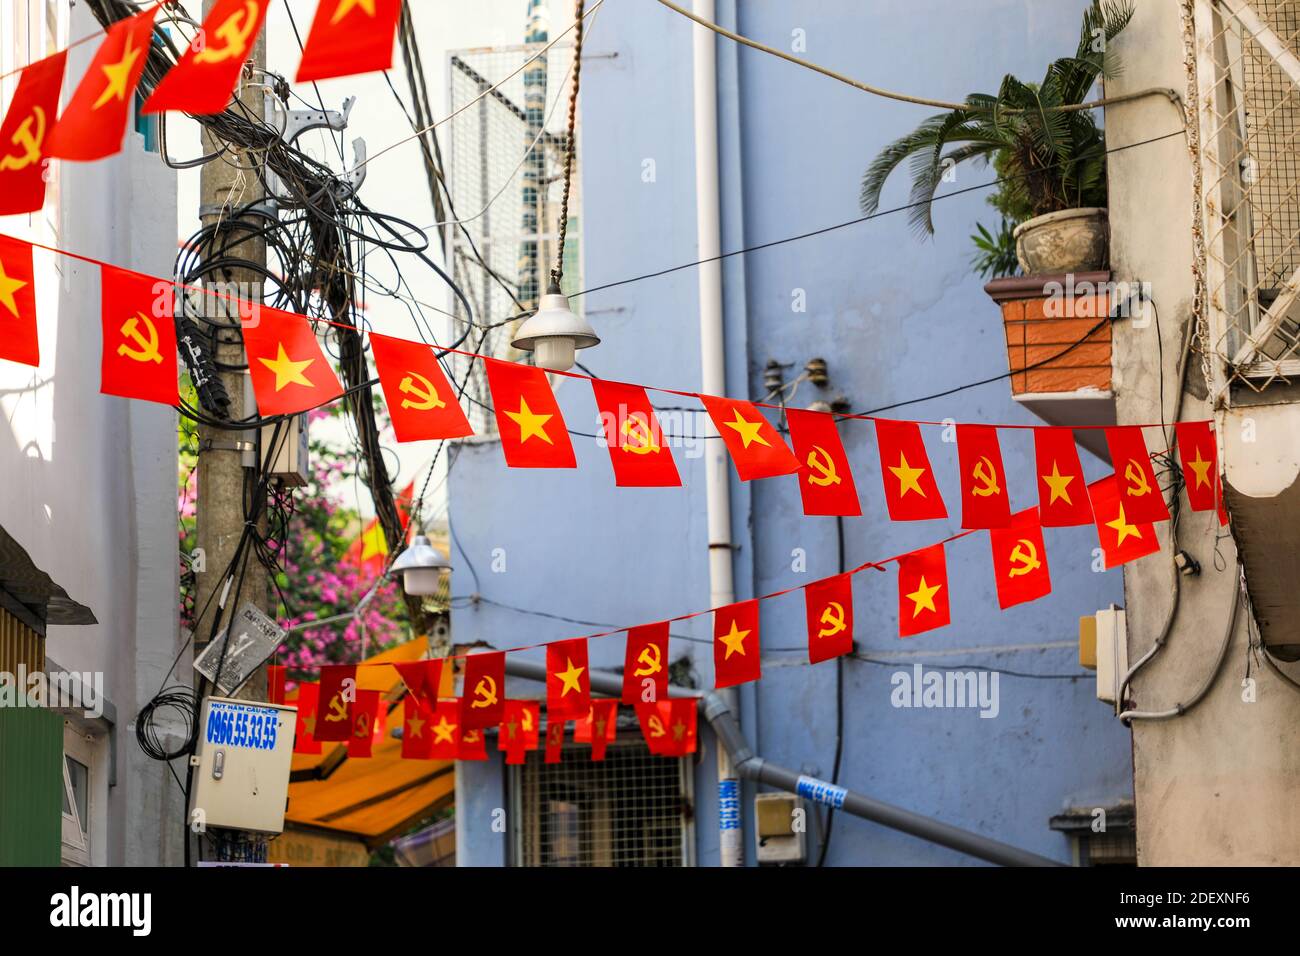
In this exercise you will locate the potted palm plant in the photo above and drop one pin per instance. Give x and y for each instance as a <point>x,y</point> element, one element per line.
<point>1050,159</point>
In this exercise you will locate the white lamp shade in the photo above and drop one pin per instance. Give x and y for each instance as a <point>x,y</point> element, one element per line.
<point>555,334</point>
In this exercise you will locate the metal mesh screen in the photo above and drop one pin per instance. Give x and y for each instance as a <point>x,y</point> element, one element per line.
<point>627,810</point>
<point>1248,82</point>
<point>506,161</point>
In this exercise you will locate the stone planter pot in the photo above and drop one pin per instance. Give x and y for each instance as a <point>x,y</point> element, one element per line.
<point>1072,240</point>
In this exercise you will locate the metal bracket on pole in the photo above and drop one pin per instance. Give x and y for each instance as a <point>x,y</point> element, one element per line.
<point>293,123</point>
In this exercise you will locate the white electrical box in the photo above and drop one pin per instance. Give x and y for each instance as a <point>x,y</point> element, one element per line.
<point>780,835</point>
<point>1112,654</point>
<point>241,765</point>
<point>290,459</point>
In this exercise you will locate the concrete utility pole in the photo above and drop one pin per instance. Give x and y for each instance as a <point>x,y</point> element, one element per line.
<point>220,503</point>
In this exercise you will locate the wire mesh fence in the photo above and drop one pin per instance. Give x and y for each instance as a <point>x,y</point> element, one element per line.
<point>1248,80</point>
<point>506,163</point>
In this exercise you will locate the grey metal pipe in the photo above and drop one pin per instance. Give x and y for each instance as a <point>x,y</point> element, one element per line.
<point>714,709</point>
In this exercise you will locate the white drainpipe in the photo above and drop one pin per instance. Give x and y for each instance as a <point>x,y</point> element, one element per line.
<point>714,382</point>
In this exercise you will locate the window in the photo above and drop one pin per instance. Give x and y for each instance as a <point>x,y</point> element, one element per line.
<point>77,760</point>
<point>631,809</point>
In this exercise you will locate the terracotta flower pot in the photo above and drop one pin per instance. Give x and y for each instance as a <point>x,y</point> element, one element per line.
<point>1072,240</point>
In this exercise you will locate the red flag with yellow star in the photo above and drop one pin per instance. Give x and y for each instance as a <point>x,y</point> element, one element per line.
<point>338,692</point>
<point>1122,538</point>
<point>922,591</point>
<point>18,337</point>
<point>94,122</point>
<point>138,358</point>
<point>637,449</point>
<point>483,700</point>
<point>825,480</point>
<point>568,683</point>
<point>518,732</point>
<point>349,36</point>
<point>599,728</point>
<point>368,723</point>
<point>290,372</point>
<point>444,725</point>
<point>985,502</point>
<point>532,430</point>
<point>423,679</point>
<point>304,732</point>
<point>683,727</point>
<point>1199,453</point>
<point>645,664</point>
<point>735,644</point>
<point>1062,491</point>
<point>417,735</point>
<point>828,604</point>
<point>31,114</point>
<point>421,402</point>
<point>554,739</point>
<point>911,493</point>
<point>756,449</point>
<point>203,80</point>
<point>1020,560</point>
<point>368,553</point>
<point>1136,482</point>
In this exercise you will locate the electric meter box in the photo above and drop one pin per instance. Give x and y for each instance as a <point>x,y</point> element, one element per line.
<point>241,765</point>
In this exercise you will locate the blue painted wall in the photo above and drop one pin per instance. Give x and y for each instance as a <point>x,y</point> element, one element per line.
<point>896,318</point>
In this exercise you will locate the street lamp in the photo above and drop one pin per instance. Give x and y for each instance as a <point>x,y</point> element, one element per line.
<point>554,333</point>
<point>420,565</point>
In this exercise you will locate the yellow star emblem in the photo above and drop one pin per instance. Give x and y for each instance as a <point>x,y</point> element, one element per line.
<point>511,726</point>
<point>414,725</point>
<point>287,372</point>
<point>569,678</point>
<point>679,729</point>
<point>118,74</point>
<point>530,423</point>
<point>1201,468</point>
<point>310,724</point>
<point>1123,529</point>
<point>8,287</point>
<point>373,543</point>
<point>1058,483</point>
<point>443,731</point>
<point>907,476</point>
<point>747,430</point>
<point>347,6</point>
<point>734,641</point>
<point>923,597</point>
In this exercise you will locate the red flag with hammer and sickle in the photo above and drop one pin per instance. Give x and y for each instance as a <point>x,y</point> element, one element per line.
<point>204,78</point>
<point>829,607</point>
<point>532,430</point>
<point>735,644</point>
<point>518,732</point>
<point>421,402</point>
<point>922,591</point>
<point>985,502</point>
<point>1199,454</point>
<point>472,744</point>
<point>755,446</point>
<point>289,371</point>
<point>138,358</point>
<point>554,739</point>
<point>368,723</point>
<point>1062,492</point>
<point>95,119</point>
<point>645,664</point>
<point>637,450</point>
<point>22,135</point>
<point>825,479</point>
<point>599,728</point>
<point>568,683</point>
<point>1122,538</point>
<point>1135,478</point>
<point>338,692</point>
<point>423,679</point>
<point>349,36</point>
<point>19,341</point>
<point>483,697</point>
<point>1020,560</point>
<point>911,493</point>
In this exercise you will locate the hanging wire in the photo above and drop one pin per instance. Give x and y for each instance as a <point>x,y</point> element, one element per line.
<point>571,147</point>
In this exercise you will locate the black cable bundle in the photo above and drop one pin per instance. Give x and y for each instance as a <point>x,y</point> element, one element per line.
<point>196,351</point>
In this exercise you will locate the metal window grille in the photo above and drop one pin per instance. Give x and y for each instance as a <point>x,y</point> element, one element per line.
<point>631,809</point>
<point>506,161</point>
<point>1248,87</point>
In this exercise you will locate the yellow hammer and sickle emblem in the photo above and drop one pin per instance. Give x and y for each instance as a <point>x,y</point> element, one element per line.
<point>147,341</point>
<point>528,719</point>
<point>28,141</point>
<point>426,396</point>
<point>338,710</point>
<point>638,426</point>
<point>471,737</point>
<point>656,727</point>
<point>822,463</point>
<point>1025,560</point>
<point>363,726</point>
<point>485,693</point>
<point>987,476</point>
<point>234,33</point>
<point>650,661</point>
<point>1137,481</point>
<point>832,619</point>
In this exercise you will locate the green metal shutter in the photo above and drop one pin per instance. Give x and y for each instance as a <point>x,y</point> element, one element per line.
<point>31,787</point>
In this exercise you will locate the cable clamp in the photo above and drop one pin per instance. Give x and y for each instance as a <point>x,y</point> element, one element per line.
<point>213,444</point>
